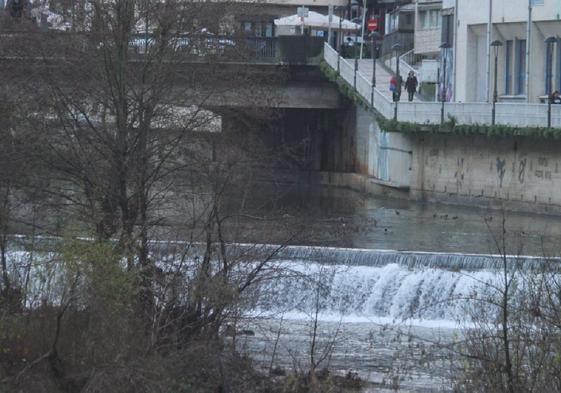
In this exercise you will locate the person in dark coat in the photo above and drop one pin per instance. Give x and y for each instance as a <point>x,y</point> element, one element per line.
<point>555,97</point>
<point>411,85</point>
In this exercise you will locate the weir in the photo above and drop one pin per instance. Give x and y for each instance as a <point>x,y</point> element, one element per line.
<point>386,293</point>
<point>382,285</point>
<point>407,259</point>
<point>344,283</point>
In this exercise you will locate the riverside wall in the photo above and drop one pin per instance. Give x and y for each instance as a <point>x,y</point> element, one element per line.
<point>512,173</point>
<point>519,173</point>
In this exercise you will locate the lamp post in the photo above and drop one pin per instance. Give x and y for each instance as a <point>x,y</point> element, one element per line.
<point>340,32</point>
<point>495,45</point>
<point>396,48</point>
<point>355,56</point>
<point>330,21</point>
<point>339,43</point>
<point>374,36</point>
<point>443,89</point>
<point>549,42</point>
<point>363,25</point>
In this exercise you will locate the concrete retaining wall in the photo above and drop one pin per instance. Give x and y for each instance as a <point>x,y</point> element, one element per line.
<point>515,173</point>
<point>519,173</point>
<point>383,156</point>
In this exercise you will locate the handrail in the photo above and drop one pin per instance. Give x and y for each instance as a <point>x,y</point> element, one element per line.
<point>406,67</point>
<point>512,114</point>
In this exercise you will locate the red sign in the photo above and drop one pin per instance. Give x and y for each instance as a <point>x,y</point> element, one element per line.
<point>373,24</point>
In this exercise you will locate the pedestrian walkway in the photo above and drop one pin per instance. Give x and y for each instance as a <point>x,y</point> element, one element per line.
<point>517,115</point>
<point>382,78</point>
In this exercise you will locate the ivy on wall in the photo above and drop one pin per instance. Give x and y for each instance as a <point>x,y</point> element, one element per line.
<point>345,88</point>
<point>449,127</point>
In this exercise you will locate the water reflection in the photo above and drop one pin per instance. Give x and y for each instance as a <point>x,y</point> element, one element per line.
<point>399,224</point>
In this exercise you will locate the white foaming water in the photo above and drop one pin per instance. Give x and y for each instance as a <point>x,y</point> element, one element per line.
<point>352,284</point>
<point>388,293</point>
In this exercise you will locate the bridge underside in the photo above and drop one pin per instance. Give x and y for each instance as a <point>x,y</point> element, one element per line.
<point>302,139</point>
<point>289,96</point>
<point>300,115</point>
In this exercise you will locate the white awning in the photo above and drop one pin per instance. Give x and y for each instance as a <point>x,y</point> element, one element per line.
<point>315,20</point>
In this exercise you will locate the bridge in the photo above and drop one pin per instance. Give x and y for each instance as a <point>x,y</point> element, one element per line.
<point>286,67</point>
<point>345,143</point>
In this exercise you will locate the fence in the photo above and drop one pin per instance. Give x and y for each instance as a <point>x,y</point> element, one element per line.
<point>189,47</point>
<point>513,114</point>
<point>405,64</point>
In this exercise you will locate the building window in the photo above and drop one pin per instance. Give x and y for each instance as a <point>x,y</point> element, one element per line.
<point>558,76</point>
<point>447,33</point>
<point>247,27</point>
<point>508,67</point>
<point>549,49</point>
<point>429,19</point>
<point>258,29</point>
<point>409,19</point>
<point>391,22</point>
<point>269,29</point>
<point>520,63</point>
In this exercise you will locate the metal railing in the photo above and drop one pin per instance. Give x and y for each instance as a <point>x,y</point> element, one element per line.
<point>512,114</point>
<point>405,65</point>
<point>181,47</point>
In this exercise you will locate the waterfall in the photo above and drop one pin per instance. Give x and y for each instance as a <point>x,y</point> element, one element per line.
<point>384,284</point>
<point>346,282</point>
<point>391,291</point>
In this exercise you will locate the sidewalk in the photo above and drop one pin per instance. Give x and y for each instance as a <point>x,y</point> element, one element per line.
<point>382,78</point>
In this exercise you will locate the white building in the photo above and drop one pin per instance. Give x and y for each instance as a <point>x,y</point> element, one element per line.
<point>523,57</point>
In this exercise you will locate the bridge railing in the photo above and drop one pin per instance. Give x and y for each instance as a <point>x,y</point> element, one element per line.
<point>330,55</point>
<point>347,71</point>
<point>513,114</point>
<point>364,87</point>
<point>190,47</point>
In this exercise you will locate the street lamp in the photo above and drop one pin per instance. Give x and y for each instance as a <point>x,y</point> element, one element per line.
<point>495,45</point>
<point>363,25</point>
<point>374,37</point>
<point>549,42</point>
<point>396,47</point>
<point>355,56</point>
<point>443,89</point>
<point>339,43</point>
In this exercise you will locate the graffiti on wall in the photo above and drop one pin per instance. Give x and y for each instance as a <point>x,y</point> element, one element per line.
<point>501,170</point>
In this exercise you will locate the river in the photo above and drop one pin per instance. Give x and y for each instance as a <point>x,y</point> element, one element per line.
<point>398,224</point>
<point>384,300</point>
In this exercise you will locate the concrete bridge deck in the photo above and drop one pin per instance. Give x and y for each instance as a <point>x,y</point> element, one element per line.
<point>244,71</point>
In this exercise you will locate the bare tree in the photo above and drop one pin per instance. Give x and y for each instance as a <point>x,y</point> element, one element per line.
<point>509,345</point>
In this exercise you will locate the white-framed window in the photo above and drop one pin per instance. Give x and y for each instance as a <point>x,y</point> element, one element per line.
<point>553,67</point>
<point>429,19</point>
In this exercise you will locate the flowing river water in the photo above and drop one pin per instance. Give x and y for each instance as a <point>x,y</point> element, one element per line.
<point>380,281</point>
<point>382,295</point>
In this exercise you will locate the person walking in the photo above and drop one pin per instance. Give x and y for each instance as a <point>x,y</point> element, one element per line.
<point>411,85</point>
<point>395,87</point>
